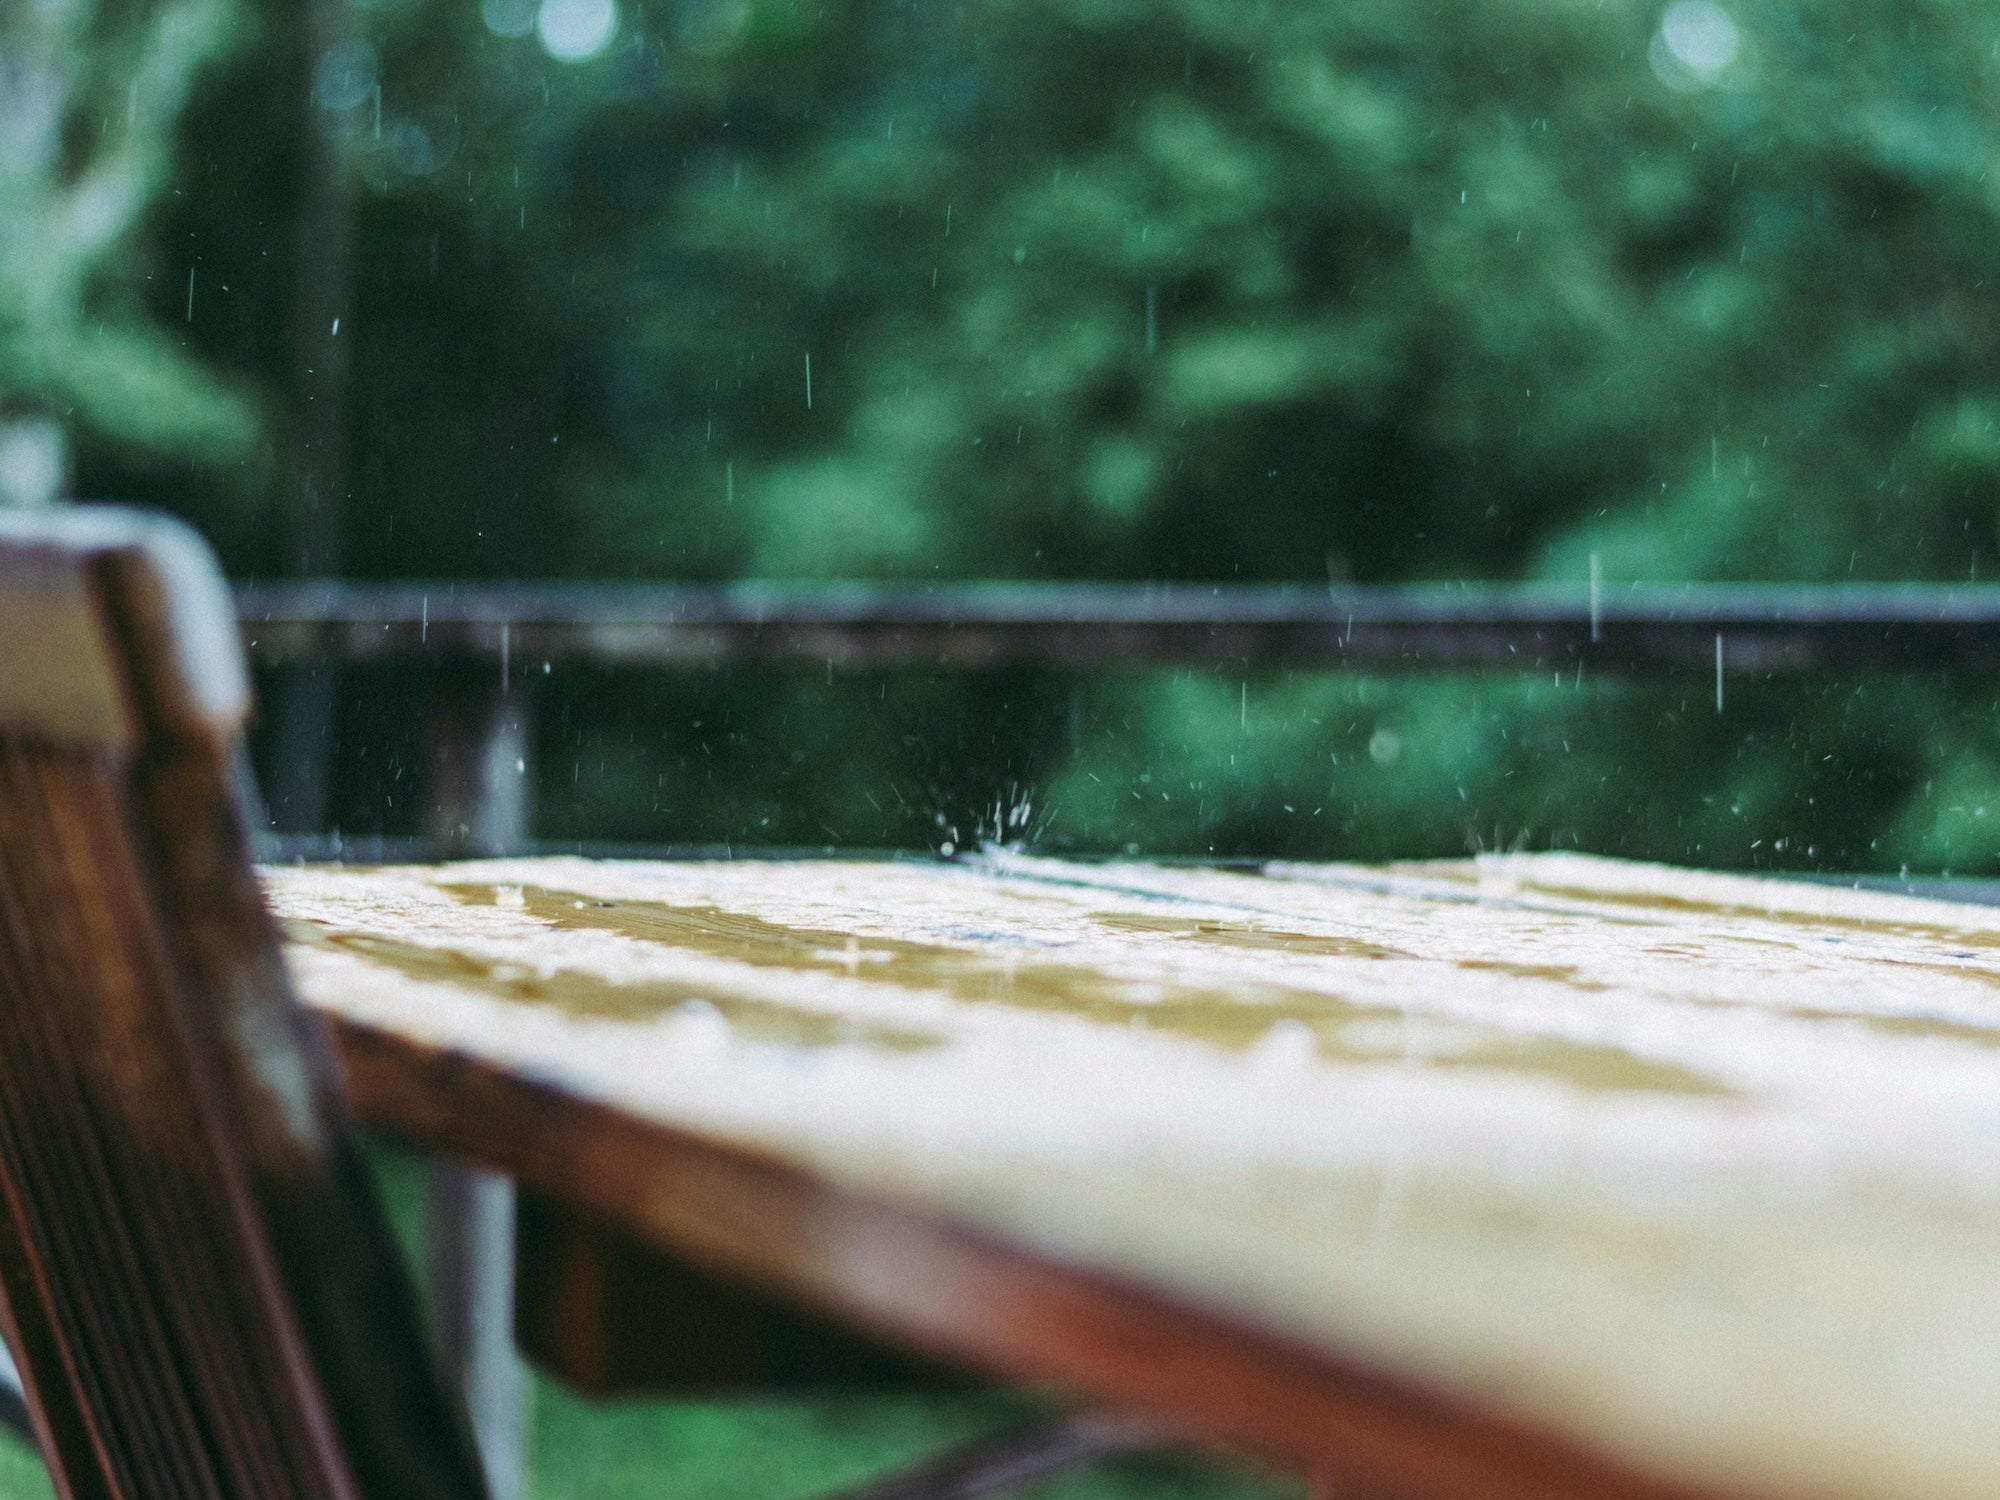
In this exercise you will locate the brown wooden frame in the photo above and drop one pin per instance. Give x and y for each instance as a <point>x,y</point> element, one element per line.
<point>964,1297</point>
<point>198,1284</point>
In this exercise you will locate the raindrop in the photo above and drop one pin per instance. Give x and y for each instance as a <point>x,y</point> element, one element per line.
<point>1596,602</point>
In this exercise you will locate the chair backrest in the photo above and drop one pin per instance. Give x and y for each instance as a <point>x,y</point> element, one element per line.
<point>195,1276</point>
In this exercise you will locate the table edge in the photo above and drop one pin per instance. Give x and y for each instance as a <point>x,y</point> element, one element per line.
<point>948,1290</point>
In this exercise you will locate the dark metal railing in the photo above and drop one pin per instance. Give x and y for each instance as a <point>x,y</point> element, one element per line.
<point>487,642</point>
<point>1763,627</point>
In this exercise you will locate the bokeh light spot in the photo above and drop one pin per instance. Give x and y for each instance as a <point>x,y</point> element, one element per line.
<point>576,30</point>
<point>412,148</point>
<point>508,17</point>
<point>1696,44</point>
<point>345,75</point>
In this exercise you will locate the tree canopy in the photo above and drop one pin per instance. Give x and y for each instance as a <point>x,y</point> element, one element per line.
<point>89,98</point>
<point>1135,289</point>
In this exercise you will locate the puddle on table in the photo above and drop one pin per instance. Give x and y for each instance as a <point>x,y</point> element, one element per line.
<point>1234,1019</point>
<point>1643,903</point>
<point>1925,1027</point>
<point>580,994</point>
<point>1567,974</point>
<point>1689,906</point>
<point>1223,934</point>
<point>1985,978</point>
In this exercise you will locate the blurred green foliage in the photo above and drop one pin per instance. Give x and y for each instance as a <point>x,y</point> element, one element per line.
<point>90,94</point>
<point>1140,289</point>
<point>1158,288</point>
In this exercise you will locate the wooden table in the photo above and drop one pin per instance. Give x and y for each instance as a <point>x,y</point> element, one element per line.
<point>1538,1176</point>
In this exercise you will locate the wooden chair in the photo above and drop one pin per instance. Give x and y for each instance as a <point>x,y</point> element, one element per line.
<point>195,1275</point>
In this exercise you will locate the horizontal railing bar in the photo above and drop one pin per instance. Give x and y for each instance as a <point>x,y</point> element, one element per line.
<point>1763,627</point>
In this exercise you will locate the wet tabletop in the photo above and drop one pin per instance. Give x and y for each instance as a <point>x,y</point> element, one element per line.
<point>1703,1169</point>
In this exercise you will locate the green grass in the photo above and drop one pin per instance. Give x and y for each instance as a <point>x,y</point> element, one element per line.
<point>21,1476</point>
<point>792,1449</point>
<point>775,1450</point>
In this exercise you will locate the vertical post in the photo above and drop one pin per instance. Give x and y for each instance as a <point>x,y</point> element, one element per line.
<point>477,803</point>
<point>471,1277</point>
<point>34,458</point>
<point>299,796</point>
<point>477,794</point>
<point>13,1399</point>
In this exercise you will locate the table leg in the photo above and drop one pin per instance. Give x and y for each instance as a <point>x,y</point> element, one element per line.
<point>471,1274</point>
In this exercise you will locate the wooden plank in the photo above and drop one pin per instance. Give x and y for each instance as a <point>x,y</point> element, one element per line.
<point>1542,1176</point>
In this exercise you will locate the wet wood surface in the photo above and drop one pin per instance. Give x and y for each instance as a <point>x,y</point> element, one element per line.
<point>1539,1176</point>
